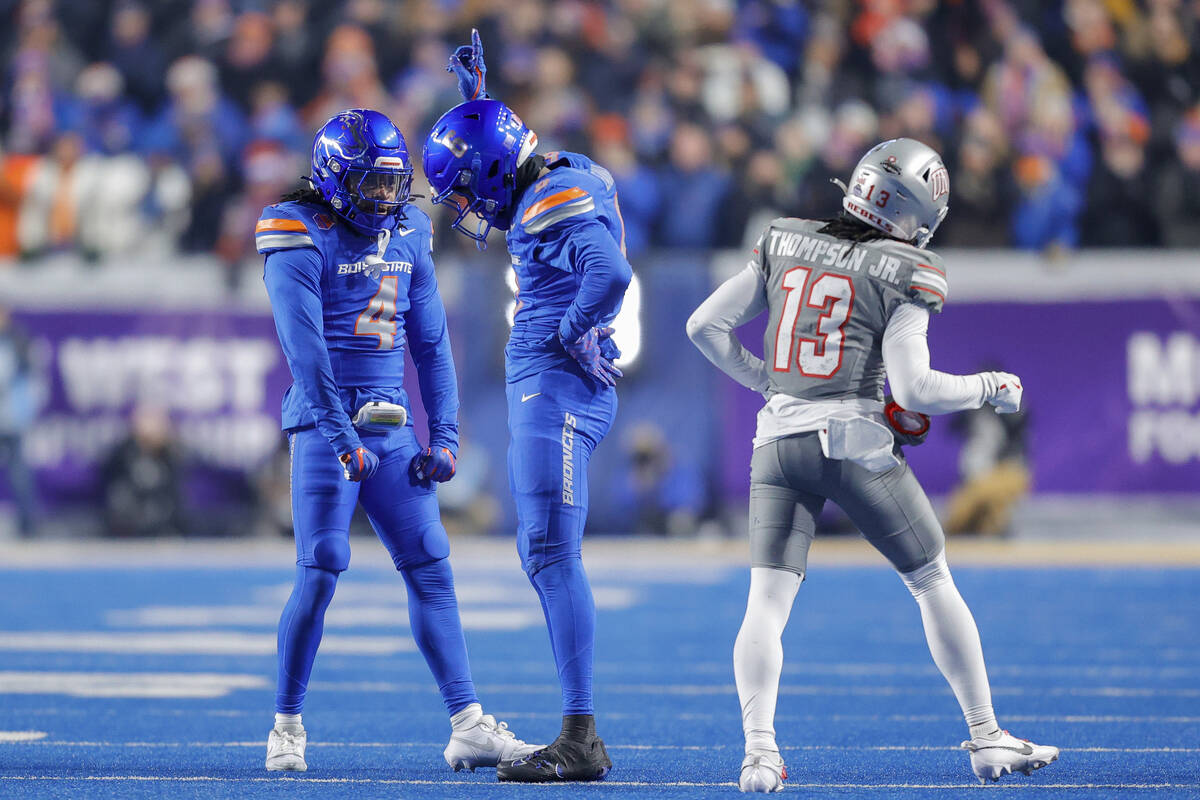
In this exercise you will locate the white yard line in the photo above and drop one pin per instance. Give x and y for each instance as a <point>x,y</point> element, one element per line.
<point>684,748</point>
<point>492,787</point>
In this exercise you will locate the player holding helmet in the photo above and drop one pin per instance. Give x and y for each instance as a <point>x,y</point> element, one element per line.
<point>349,270</point>
<point>849,301</point>
<point>565,236</point>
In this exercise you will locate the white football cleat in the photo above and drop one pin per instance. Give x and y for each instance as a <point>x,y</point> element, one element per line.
<point>285,751</point>
<point>762,771</point>
<point>1005,754</point>
<point>485,744</point>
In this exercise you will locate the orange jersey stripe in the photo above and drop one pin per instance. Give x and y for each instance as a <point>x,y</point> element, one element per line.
<point>556,199</point>
<point>291,225</point>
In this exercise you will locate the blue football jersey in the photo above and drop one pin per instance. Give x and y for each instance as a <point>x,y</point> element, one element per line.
<point>573,205</point>
<point>374,294</point>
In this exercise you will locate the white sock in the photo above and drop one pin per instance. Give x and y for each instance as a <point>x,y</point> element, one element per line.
<point>954,642</point>
<point>758,652</point>
<point>288,722</point>
<point>467,718</point>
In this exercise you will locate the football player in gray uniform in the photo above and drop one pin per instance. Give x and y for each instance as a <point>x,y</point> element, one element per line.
<point>849,301</point>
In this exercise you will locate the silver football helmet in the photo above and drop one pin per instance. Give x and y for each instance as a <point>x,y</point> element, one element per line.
<point>900,187</point>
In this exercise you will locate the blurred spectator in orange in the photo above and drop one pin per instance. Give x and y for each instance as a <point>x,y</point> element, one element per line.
<point>1045,217</point>
<point>350,77</point>
<point>16,170</point>
<point>636,184</point>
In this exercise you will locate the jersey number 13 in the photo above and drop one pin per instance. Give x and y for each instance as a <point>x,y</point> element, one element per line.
<point>819,356</point>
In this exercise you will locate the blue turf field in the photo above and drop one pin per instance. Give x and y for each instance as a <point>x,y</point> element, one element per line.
<point>157,682</point>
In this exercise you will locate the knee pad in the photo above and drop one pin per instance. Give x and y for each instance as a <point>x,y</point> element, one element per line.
<point>426,546</point>
<point>332,553</point>
<point>927,577</point>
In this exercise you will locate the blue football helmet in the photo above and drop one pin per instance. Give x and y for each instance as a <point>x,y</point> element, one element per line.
<point>471,158</point>
<point>360,166</point>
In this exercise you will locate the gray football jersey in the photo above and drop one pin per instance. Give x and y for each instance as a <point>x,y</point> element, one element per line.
<point>830,300</point>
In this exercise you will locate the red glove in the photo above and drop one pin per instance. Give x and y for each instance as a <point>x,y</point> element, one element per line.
<point>909,427</point>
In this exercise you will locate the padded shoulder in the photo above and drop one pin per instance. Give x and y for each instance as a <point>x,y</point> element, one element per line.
<point>567,195</point>
<point>927,285</point>
<point>284,226</point>
<point>795,225</point>
<point>415,219</point>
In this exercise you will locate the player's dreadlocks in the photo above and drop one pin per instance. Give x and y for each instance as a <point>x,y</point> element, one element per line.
<point>304,193</point>
<point>845,226</point>
<point>307,193</point>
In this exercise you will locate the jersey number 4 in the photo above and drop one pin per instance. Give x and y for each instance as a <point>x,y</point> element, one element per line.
<point>380,317</point>
<point>832,295</point>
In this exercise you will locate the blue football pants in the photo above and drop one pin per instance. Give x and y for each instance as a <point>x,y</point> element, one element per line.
<point>556,418</point>
<point>404,514</point>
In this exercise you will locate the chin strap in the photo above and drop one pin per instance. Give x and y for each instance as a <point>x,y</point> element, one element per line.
<point>841,185</point>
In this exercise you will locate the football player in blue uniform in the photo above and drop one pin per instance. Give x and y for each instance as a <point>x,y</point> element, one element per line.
<point>349,271</point>
<point>565,236</point>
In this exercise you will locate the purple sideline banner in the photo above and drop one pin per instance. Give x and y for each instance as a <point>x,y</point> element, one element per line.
<point>1111,388</point>
<point>219,374</point>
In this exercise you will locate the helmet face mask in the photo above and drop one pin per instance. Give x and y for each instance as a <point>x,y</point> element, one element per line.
<point>361,168</point>
<point>900,187</point>
<point>471,158</point>
<point>459,195</point>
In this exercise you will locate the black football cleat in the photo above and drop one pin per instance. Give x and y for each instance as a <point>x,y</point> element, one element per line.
<point>564,760</point>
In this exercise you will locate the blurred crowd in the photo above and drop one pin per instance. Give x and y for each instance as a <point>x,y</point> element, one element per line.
<point>159,126</point>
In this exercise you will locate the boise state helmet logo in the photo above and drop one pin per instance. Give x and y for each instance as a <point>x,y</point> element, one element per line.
<point>360,167</point>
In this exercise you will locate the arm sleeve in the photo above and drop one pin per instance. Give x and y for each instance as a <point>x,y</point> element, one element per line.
<point>606,274</point>
<point>735,302</point>
<point>429,345</point>
<point>293,279</point>
<point>915,386</point>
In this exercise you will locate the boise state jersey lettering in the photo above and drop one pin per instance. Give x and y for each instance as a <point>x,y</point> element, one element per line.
<point>375,293</point>
<point>576,200</point>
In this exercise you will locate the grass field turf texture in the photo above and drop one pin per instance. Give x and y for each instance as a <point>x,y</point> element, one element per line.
<point>130,672</point>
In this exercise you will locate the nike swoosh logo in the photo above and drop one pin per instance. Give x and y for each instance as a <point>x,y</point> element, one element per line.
<point>1024,749</point>
<point>406,231</point>
<point>526,397</point>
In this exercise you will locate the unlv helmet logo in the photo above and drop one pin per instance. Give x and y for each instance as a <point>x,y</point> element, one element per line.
<point>939,182</point>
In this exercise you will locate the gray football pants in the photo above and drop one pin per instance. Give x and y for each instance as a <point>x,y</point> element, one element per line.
<point>790,480</point>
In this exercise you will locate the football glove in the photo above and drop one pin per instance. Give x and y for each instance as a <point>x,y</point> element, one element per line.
<point>908,427</point>
<point>467,65</point>
<point>434,464</point>
<point>1002,390</point>
<point>586,351</point>
<point>359,464</point>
